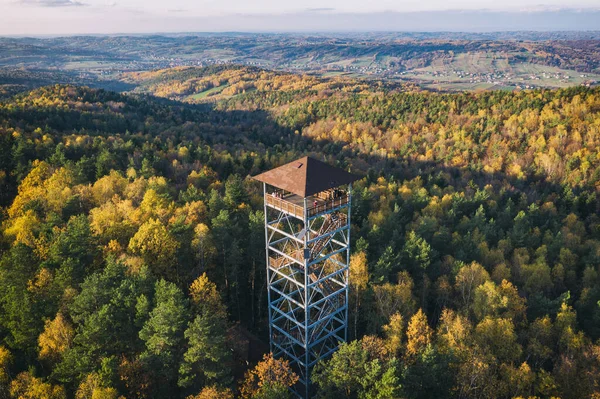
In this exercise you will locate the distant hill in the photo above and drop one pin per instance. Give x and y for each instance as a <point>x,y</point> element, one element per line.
<point>453,61</point>
<point>195,84</point>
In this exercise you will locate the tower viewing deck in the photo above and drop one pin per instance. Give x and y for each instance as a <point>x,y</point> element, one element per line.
<point>307,231</point>
<point>293,204</point>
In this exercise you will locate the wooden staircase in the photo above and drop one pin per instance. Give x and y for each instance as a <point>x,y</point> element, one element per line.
<point>332,222</point>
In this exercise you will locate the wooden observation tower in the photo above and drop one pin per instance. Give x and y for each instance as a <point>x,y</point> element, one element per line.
<point>307,229</point>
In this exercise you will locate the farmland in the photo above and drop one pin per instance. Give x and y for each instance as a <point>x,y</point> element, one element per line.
<point>448,62</point>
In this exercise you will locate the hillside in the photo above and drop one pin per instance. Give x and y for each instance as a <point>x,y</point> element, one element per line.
<point>193,85</point>
<point>476,236</point>
<point>528,135</point>
<point>440,61</point>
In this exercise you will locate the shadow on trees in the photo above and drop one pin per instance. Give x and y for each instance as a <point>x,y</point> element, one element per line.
<point>246,143</point>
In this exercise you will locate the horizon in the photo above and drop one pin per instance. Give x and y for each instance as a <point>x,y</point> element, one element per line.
<point>325,33</point>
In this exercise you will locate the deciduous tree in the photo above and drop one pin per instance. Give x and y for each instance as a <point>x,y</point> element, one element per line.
<point>56,338</point>
<point>271,378</point>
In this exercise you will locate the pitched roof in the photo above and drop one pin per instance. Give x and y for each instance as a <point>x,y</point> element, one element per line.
<point>306,176</point>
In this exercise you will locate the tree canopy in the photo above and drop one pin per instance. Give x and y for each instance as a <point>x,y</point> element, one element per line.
<point>132,257</point>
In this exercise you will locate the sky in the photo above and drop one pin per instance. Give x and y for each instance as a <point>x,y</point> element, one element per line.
<point>63,17</point>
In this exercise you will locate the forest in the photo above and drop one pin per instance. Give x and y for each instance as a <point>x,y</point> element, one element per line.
<point>132,259</point>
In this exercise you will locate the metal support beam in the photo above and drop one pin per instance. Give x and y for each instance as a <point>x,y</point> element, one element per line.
<point>283,233</point>
<point>331,233</point>
<point>328,277</point>
<point>288,297</point>
<point>329,255</point>
<point>270,248</point>
<point>308,298</point>
<point>288,277</point>
<point>290,337</point>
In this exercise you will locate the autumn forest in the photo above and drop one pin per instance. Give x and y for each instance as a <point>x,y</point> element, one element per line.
<point>132,259</point>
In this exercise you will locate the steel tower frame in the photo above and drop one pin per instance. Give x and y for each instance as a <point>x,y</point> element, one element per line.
<point>308,256</point>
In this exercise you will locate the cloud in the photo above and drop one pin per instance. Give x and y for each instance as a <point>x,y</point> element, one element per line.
<point>320,9</point>
<point>53,3</point>
<point>177,10</point>
<point>543,8</point>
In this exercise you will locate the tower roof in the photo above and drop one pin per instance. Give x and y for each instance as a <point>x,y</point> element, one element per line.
<point>306,176</point>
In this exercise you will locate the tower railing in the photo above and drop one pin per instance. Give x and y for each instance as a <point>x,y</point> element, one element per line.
<point>328,205</point>
<point>285,206</point>
<point>324,205</point>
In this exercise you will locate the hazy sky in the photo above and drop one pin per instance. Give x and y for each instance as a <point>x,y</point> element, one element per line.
<point>33,17</point>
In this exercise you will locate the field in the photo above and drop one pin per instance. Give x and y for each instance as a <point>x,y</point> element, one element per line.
<point>206,93</point>
<point>476,71</point>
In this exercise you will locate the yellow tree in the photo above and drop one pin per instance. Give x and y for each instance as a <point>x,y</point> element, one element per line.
<point>154,206</point>
<point>213,393</point>
<point>155,244</point>
<point>206,297</point>
<point>497,336</point>
<point>359,278</point>
<point>502,301</point>
<point>393,298</point>
<point>517,380</point>
<point>59,189</point>
<point>5,360</point>
<point>24,228</point>
<point>269,375</point>
<point>474,375</point>
<point>570,340</point>
<point>203,245</point>
<point>91,388</point>
<point>467,280</point>
<point>453,332</point>
<point>105,188</point>
<point>418,334</point>
<point>192,213</point>
<point>55,339</point>
<point>31,188</point>
<point>26,386</point>
<point>112,221</point>
<point>393,333</point>
<point>135,378</point>
<point>41,284</point>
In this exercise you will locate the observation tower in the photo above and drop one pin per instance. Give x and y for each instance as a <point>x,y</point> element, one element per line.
<point>307,230</point>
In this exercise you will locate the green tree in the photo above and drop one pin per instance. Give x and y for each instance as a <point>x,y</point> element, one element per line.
<point>163,334</point>
<point>107,298</point>
<point>235,193</point>
<point>417,253</point>
<point>22,313</point>
<point>205,362</point>
<point>358,370</point>
<point>387,263</point>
